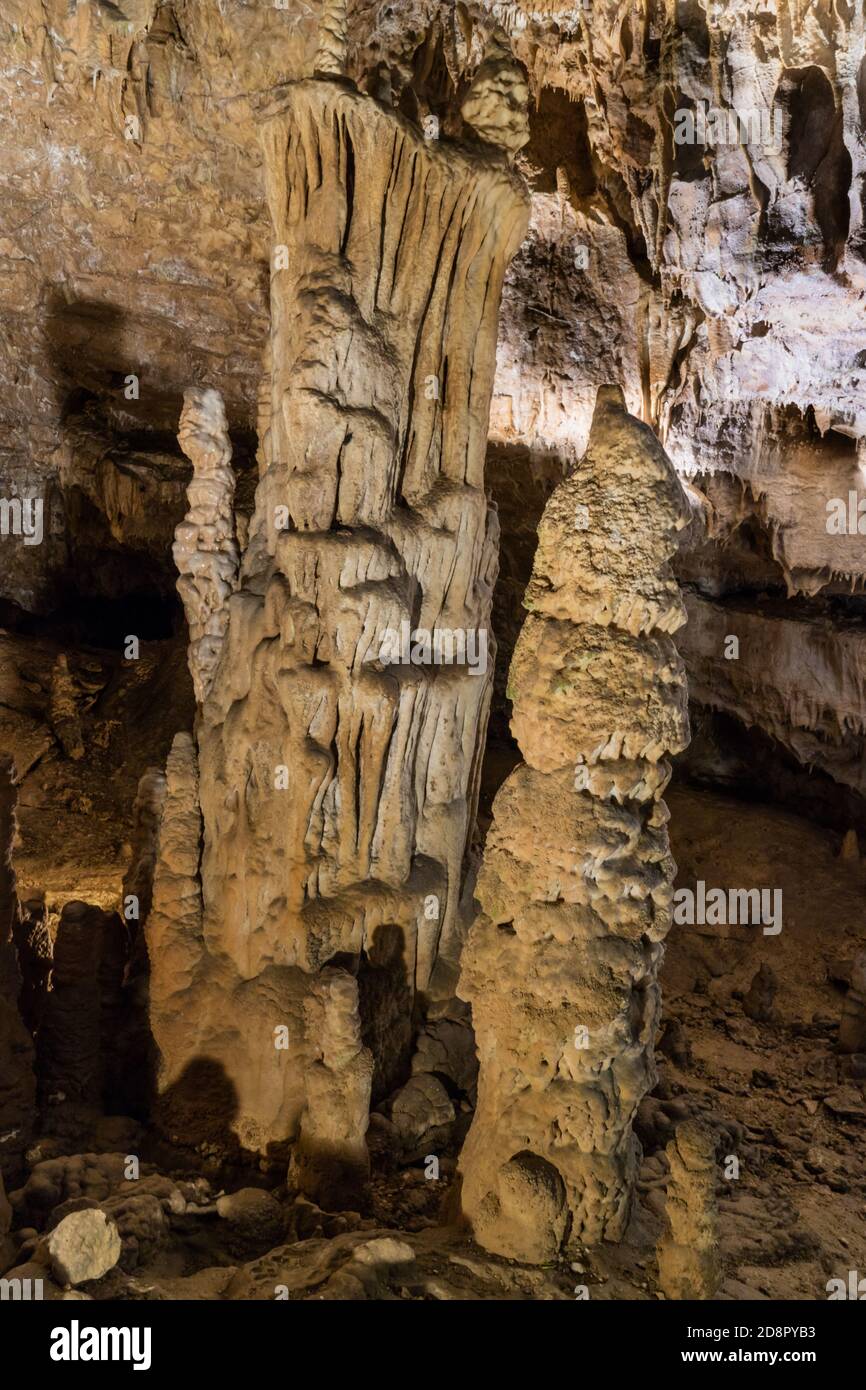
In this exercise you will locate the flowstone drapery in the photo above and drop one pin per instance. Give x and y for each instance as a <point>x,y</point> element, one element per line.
<point>576,884</point>
<point>339,738</point>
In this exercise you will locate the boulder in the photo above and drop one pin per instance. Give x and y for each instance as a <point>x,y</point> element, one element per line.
<point>84,1246</point>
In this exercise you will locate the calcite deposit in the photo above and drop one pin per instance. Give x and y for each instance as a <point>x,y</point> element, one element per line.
<point>338,772</point>
<point>204,548</point>
<point>576,886</point>
<point>689,1252</point>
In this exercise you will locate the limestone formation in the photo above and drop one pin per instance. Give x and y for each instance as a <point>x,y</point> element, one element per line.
<point>849,850</point>
<point>800,682</point>
<point>759,391</point>
<point>689,1265</point>
<point>65,708</point>
<point>576,884</point>
<point>173,927</point>
<point>147,813</point>
<point>852,1028</point>
<point>205,550</point>
<point>133,1042</point>
<point>495,107</point>
<point>17,1083</point>
<point>330,1161</point>
<point>286,224</point>
<point>331,54</point>
<point>760,998</point>
<point>35,949</point>
<point>340,732</point>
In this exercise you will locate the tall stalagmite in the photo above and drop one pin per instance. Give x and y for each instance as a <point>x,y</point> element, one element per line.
<point>205,550</point>
<point>338,760</point>
<point>576,885</point>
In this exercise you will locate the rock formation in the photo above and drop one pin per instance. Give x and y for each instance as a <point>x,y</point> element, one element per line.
<point>688,1255</point>
<point>286,224</point>
<point>759,1000</point>
<point>331,54</point>
<point>340,726</point>
<point>852,1028</point>
<point>790,675</point>
<point>134,1043</point>
<point>496,105</point>
<point>17,1082</point>
<point>576,884</point>
<point>35,950</point>
<point>330,1158</point>
<point>65,708</point>
<point>174,924</point>
<point>147,814</point>
<point>204,549</point>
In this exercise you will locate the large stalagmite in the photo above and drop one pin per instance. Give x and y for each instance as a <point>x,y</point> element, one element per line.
<point>338,757</point>
<point>576,885</point>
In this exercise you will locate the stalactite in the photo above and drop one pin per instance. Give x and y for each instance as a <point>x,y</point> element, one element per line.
<point>496,105</point>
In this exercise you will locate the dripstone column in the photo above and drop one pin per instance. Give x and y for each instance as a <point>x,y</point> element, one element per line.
<point>577,880</point>
<point>339,743</point>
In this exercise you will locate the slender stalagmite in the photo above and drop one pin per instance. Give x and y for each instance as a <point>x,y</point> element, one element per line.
<point>688,1254</point>
<point>577,880</point>
<point>205,550</point>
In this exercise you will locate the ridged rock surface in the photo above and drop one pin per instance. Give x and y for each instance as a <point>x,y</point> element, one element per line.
<point>205,550</point>
<point>338,781</point>
<point>576,884</point>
